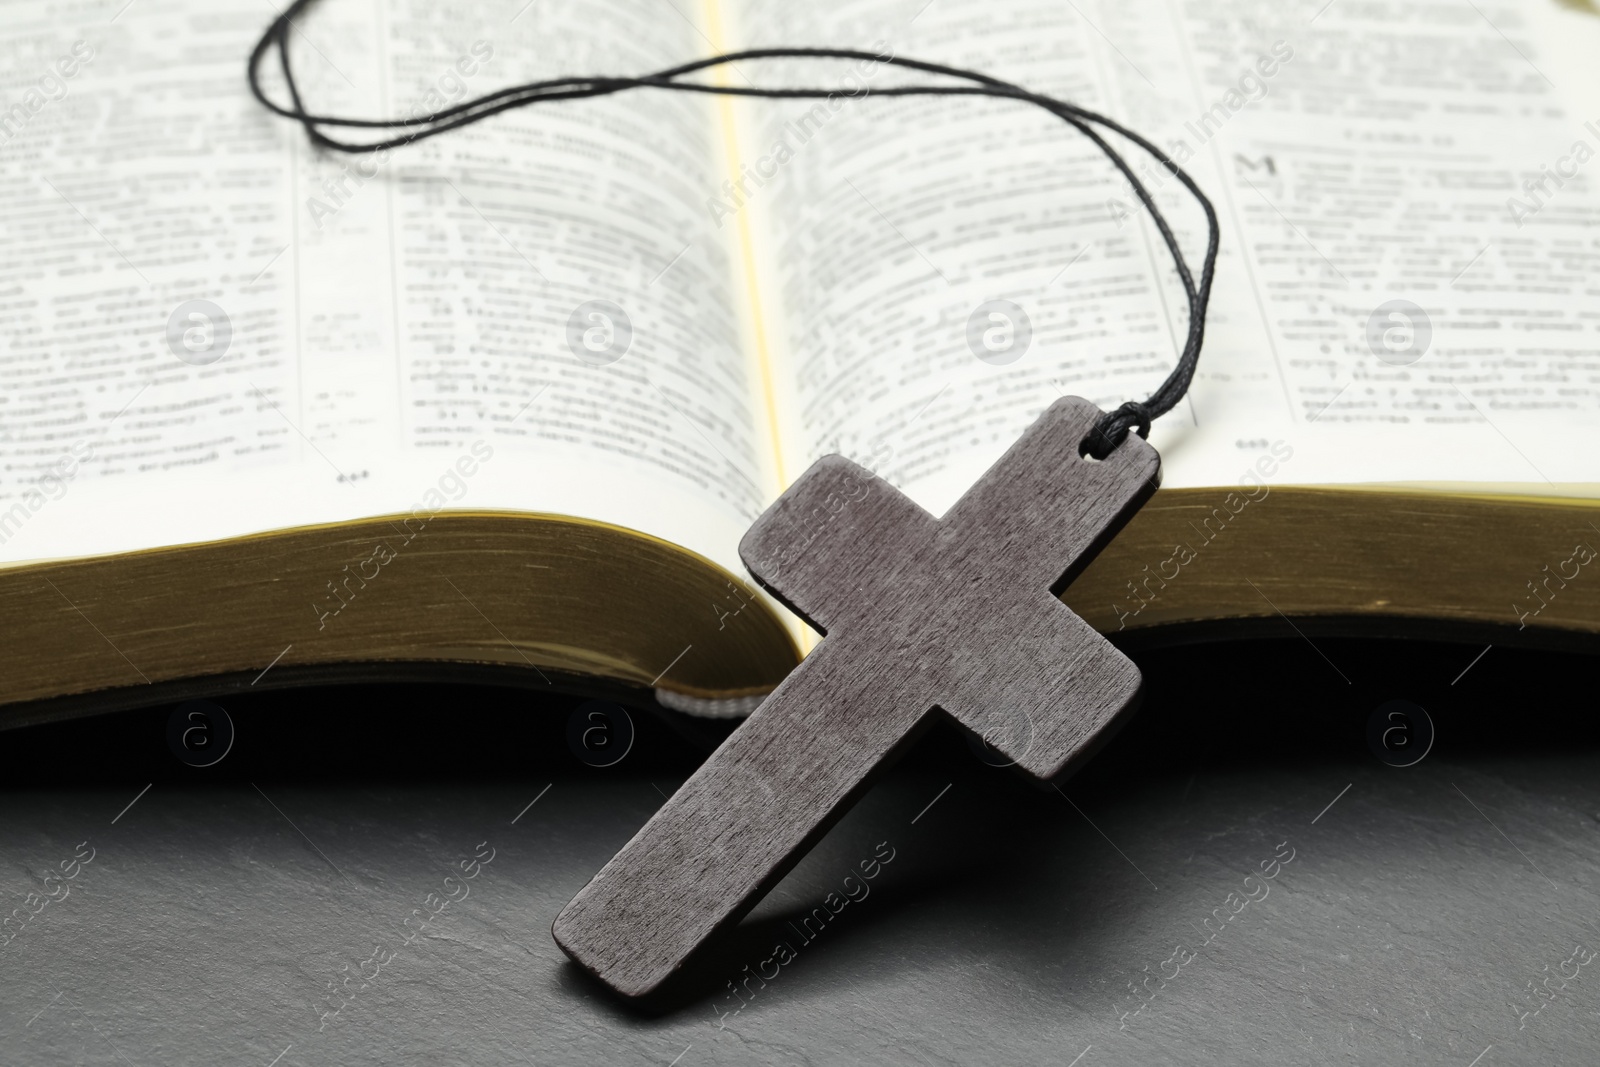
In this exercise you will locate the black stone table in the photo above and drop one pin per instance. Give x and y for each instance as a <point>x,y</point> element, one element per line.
<point>1237,879</point>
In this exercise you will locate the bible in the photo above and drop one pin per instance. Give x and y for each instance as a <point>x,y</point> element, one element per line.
<point>502,404</point>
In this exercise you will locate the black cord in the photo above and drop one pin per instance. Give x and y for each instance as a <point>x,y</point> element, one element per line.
<point>1108,432</point>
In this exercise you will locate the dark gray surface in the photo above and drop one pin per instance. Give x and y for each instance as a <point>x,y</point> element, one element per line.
<point>206,927</point>
<point>1006,929</point>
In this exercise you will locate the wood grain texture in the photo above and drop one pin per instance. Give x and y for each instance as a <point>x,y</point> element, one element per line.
<point>923,616</point>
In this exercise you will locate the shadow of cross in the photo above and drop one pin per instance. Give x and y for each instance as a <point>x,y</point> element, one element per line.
<point>923,616</point>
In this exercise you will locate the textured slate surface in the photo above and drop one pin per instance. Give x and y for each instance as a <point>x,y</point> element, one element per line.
<point>1006,926</point>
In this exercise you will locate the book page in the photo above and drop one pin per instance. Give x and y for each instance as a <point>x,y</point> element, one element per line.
<point>946,268</point>
<point>1403,296</point>
<point>139,198</point>
<point>901,226</point>
<point>218,329</point>
<point>564,251</point>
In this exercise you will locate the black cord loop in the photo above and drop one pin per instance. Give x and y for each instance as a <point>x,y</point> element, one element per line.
<point>1111,429</point>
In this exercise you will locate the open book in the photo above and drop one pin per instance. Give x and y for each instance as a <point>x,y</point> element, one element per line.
<point>508,398</point>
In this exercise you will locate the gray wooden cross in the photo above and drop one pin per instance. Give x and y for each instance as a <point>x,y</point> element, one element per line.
<point>922,615</point>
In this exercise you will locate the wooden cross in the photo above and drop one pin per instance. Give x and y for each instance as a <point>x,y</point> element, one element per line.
<point>923,616</point>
